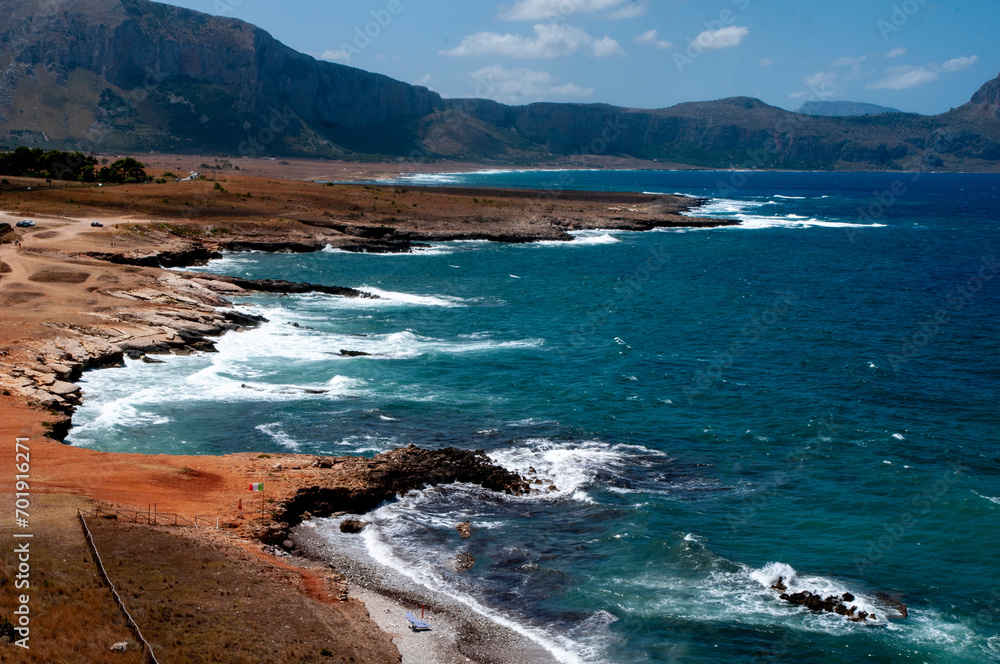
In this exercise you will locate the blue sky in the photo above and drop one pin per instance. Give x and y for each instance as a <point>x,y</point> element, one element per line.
<point>924,56</point>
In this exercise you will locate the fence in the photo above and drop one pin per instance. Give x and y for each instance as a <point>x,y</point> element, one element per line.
<point>153,518</point>
<point>133,627</point>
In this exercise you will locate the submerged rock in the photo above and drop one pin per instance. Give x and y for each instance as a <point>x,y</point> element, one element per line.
<point>829,604</point>
<point>464,561</point>
<point>352,526</point>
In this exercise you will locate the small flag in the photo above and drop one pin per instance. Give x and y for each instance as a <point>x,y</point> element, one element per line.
<point>256,486</point>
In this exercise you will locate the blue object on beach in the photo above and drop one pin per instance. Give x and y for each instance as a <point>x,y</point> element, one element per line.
<point>416,624</point>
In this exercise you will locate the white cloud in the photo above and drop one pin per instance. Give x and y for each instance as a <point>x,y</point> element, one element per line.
<point>822,79</point>
<point>767,62</point>
<point>906,77</point>
<point>850,62</point>
<point>649,37</point>
<point>523,86</point>
<point>423,80</point>
<point>903,78</point>
<point>630,10</point>
<point>606,47</point>
<point>958,64</point>
<point>820,85</point>
<point>722,38</point>
<point>895,53</point>
<point>550,41</point>
<point>542,10</point>
<point>335,55</point>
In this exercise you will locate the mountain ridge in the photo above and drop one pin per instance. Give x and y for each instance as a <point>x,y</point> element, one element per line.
<point>135,75</point>
<point>843,108</point>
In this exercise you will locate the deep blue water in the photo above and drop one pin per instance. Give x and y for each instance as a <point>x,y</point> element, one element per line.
<point>813,394</point>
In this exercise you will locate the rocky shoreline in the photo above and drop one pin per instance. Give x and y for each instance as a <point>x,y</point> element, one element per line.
<point>148,311</point>
<point>181,314</point>
<point>79,298</point>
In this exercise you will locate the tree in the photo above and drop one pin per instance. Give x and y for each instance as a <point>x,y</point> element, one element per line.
<point>124,171</point>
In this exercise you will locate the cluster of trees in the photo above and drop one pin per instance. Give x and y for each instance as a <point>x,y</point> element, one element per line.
<point>72,166</point>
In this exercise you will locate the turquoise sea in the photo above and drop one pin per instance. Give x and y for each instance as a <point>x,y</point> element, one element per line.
<point>813,395</point>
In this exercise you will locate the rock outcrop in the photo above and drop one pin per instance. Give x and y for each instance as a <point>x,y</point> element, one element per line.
<point>357,485</point>
<point>180,315</point>
<point>282,286</point>
<point>842,605</point>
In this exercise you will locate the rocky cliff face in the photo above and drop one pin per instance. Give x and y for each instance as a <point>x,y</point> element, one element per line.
<point>163,75</point>
<point>986,102</point>
<point>105,75</point>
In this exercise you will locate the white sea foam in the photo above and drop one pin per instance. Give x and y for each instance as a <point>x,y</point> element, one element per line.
<point>737,594</point>
<point>243,370</point>
<point>432,250</point>
<point>230,263</point>
<point>995,501</point>
<point>580,239</point>
<point>395,298</point>
<point>790,198</point>
<point>273,429</point>
<point>279,340</point>
<point>572,466</point>
<point>670,193</point>
<point>742,211</point>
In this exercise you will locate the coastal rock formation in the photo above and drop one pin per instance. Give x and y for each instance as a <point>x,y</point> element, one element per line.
<point>464,561</point>
<point>358,485</point>
<point>464,529</point>
<point>841,605</point>
<point>818,603</point>
<point>194,254</point>
<point>352,526</point>
<point>176,313</point>
<point>282,286</point>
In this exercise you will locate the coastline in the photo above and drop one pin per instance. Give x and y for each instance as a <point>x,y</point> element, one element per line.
<point>82,297</point>
<point>458,633</point>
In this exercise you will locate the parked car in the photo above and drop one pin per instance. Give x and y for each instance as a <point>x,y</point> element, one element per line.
<point>96,223</point>
<point>27,223</point>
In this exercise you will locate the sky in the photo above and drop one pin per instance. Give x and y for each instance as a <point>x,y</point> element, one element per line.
<point>923,56</point>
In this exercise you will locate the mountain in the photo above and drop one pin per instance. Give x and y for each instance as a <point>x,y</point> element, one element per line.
<point>135,75</point>
<point>839,109</point>
<point>126,73</point>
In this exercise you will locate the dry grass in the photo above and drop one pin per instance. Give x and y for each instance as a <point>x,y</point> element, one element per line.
<point>74,619</point>
<point>196,602</point>
<point>59,277</point>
